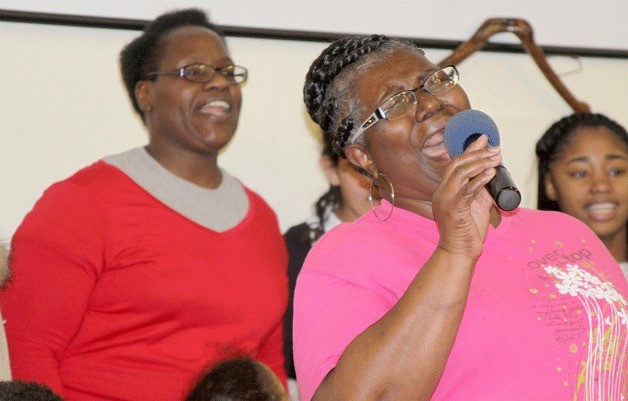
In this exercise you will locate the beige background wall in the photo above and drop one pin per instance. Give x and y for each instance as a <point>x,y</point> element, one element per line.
<point>62,106</point>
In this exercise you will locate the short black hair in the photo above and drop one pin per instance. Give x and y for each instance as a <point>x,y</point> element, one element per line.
<point>557,137</point>
<point>142,55</point>
<point>235,379</point>
<point>26,391</point>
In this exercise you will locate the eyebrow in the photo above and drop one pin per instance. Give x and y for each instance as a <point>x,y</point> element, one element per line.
<point>423,76</point>
<point>607,157</point>
<point>398,88</point>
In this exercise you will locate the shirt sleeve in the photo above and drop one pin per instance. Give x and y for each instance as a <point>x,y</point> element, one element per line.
<point>56,257</point>
<point>329,313</point>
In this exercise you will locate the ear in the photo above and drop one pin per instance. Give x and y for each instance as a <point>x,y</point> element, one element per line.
<point>550,189</point>
<point>358,156</point>
<point>331,171</point>
<point>143,95</point>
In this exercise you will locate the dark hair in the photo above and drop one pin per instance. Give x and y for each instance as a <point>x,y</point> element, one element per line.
<point>328,90</point>
<point>26,391</point>
<point>556,139</point>
<point>142,55</point>
<point>236,379</point>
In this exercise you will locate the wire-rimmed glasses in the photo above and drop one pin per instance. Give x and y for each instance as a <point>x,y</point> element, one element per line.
<point>202,73</point>
<point>397,105</point>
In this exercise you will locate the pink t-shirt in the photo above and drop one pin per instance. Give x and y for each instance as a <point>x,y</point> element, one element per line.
<point>546,317</point>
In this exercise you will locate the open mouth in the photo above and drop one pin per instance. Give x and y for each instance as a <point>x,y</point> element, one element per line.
<point>602,211</point>
<point>435,147</point>
<point>216,107</point>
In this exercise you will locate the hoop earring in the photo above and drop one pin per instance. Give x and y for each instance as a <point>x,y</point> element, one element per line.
<point>392,197</point>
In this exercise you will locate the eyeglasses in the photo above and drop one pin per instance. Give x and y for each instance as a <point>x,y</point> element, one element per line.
<point>396,106</point>
<point>202,73</point>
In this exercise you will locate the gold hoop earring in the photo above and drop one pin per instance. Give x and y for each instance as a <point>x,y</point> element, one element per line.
<point>392,197</point>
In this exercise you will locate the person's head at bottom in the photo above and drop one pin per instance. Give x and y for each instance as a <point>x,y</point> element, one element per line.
<point>18,390</point>
<point>239,379</point>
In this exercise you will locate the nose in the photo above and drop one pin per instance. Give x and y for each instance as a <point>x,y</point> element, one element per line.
<point>427,105</point>
<point>218,81</point>
<point>600,182</point>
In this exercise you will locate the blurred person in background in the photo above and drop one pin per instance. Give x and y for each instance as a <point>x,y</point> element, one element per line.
<point>583,171</point>
<point>346,199</point>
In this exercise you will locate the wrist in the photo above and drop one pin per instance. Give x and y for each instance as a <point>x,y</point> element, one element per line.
<point>457,256</point>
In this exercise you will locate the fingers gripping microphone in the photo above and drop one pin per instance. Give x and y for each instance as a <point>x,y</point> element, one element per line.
<point>463,129</point>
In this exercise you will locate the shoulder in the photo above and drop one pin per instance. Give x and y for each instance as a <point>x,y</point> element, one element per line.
<point>69,214</point>
<point>551,219</point>
<point>344,251</point>
<point>97,177</point>
<point>298,235</point>
<point>74,188</point>
<point>552,226</point>
<point>257,201</point>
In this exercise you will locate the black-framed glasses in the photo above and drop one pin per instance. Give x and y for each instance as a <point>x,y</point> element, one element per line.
<point>397,105</point>
<point>204,73</point>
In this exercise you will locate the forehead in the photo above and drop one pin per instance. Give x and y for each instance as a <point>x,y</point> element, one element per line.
<point>194,41</point>
<point>400,70</point>
<point>589,138</point>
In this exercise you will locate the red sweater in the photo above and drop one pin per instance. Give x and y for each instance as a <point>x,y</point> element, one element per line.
<point>115,296</point>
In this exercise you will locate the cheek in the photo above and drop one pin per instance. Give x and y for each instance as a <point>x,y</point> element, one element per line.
<point>457,97</point>
<point>236,94</point>
<point>569,193</point>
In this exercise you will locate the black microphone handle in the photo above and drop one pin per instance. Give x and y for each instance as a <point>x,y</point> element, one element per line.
<point>503,189</point>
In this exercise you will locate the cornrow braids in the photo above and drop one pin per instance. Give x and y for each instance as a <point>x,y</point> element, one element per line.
<point>328,91</point>
<point>555,140</point>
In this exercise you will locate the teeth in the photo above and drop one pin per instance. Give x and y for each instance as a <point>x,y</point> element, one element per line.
<point>602,207</point>
<point>218,103</point>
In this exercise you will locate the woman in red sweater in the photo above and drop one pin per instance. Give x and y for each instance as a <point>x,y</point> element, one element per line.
<point>138,272</point>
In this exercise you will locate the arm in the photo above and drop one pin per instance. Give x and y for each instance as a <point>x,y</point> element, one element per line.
<point>402,355</point>
<point>55,257</point>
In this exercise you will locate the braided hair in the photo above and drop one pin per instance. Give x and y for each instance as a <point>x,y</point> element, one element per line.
<point>556,139</point>
<point>329,93</point>
<point>142,55</point>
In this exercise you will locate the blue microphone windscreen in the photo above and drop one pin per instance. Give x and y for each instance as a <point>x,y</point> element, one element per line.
<point>464,127</point>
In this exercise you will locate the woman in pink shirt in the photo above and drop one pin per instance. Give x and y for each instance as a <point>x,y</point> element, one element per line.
<point>438,294</point>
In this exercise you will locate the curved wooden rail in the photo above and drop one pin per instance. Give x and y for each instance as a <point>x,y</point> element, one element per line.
<point>523,31</point>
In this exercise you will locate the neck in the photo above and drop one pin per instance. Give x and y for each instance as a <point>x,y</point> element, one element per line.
<point>199,169</point>
<point>346,214</point>
<point>617,245</point>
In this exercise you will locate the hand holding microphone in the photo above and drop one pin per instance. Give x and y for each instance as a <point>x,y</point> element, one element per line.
<point>463,129</point>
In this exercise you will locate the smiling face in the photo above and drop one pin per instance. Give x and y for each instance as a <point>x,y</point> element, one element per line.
<point>589,180</point>
<point>408,150</point>
<point>185,115</point>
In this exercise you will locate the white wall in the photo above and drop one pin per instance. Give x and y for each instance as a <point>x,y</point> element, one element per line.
<point>575,23</point>
<point>62,106</point>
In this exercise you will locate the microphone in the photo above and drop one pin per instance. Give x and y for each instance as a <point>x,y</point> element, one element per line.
<point>466,127</point>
